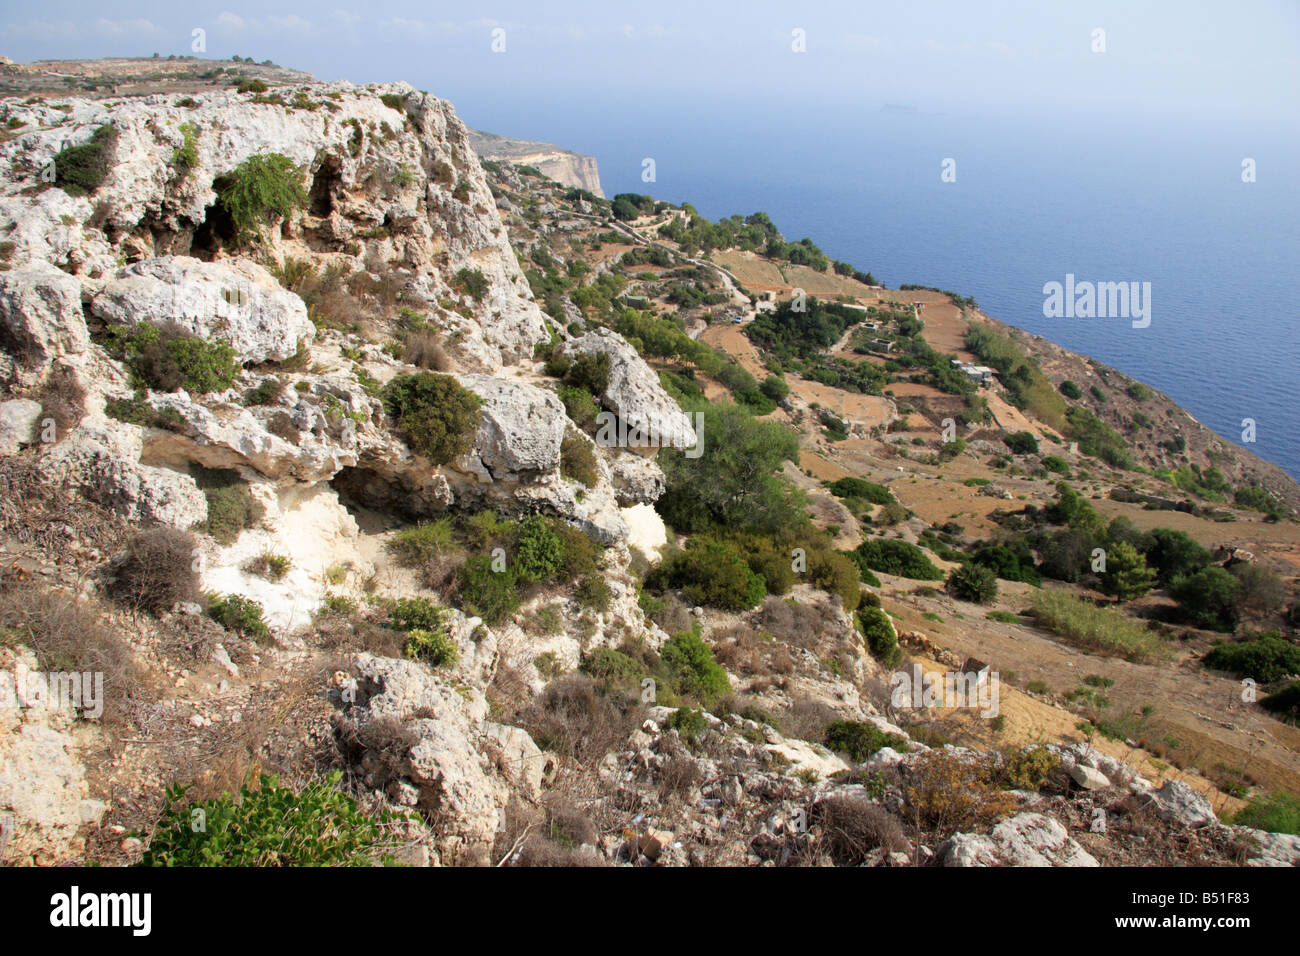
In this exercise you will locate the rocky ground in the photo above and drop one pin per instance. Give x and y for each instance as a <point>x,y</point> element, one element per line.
<point>405,257</point>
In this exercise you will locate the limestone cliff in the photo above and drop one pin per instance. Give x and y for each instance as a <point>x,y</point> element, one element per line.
<point>561,165</point>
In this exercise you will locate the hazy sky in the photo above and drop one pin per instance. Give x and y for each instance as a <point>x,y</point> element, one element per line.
<point>1176,58</point>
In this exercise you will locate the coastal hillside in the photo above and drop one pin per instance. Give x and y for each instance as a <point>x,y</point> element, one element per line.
<point>563,166</point>
<point>487,521</point>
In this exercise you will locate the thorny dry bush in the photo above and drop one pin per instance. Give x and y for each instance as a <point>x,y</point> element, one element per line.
<point>158,571</point>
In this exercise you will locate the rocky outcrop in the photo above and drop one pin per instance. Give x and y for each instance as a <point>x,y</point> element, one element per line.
<point>633,393</point>
<point>40,318</point>
<point>44,799</point>
<point>237,301</point>
<point>428,745</point>
<point>394,188</point>
<point>102,458</point>
<point>1027,839</point>
<point>521,430</point>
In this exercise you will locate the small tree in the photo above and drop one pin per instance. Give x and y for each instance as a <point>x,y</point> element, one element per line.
<point>973,582</point>
<point>1127,575</point>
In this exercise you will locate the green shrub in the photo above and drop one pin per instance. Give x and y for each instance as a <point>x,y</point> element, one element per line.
<point>261,186</point>
<point>436,416</point>
<point>268,392</point>
<point>580,406</point>
<point>231,507</point>
<point>589,371</point>
<point>471,282</point>
<point>394,101</point>
<point>410,614</point>
<point>1277,812</point>
<point>613,670</point>
<point>861,488</point>
<point>878,635</point>
<point>268,825</point>
<point>539,552</point>
<point>835,574</point>
<point>694,672</point>
<point>1005,617</point>
<point>1285,703</point>
<point>1057,465</point>
<point>79,170</point>
<point>712,573</point>
<point>595,593</point>
<point>1021,443</point>
<point>859,740</point>
<point>893,556</point>
<point>1265,657</point>
<point>252,86</point>
<point>1138,392</point>
<point>1028,769</point>
<point>690,723</point>
<point>488,593</point>
<point>240,614</point>
<point>186,156</point>
<point>136,411</point>
<point>578,461</point>
<point>434,648</point>
<point>1071,391</point>
<point>422,543</point>
<point>973,582</point>
<point>170,358</point>
<point>1209,597</point>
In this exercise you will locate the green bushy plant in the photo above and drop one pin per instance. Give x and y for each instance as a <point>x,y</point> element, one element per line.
<point>434,413</point>
<point>237,613</point>
<point>260,187</point>
<point>268,825</point>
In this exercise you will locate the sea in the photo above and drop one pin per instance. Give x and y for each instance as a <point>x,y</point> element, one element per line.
<point>1206,210</point>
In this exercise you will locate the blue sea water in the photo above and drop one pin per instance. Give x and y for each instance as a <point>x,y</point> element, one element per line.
<point>1035,197</point>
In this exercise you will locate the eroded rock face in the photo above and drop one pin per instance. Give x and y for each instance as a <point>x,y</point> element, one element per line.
<point>439,221</point>
<point>44,800</point>
<point>633,392</point>
<point>521,431</point>
<point>446,765</point>
<point>40,317</point>
<point>238,301</point>
<point>102,457</point>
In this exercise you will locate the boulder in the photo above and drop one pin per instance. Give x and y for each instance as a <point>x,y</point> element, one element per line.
<point>1177,802</point>
<point>1033,839</point>
<point>41,317</point>
<point>1089,778</point>
<point>1027,839</point>
<point>633,392</point>
<point>236,300</point>
<point>19,419</point>
<point>521,431</point>
<point>102,457</point>
<point>441,769</point>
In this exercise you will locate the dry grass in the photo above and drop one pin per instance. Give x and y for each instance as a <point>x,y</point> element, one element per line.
<point>573,719</point>
<point>63,400</point>
<point>67,635</point>
<point>424,350</point>
<point>851,827</point>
